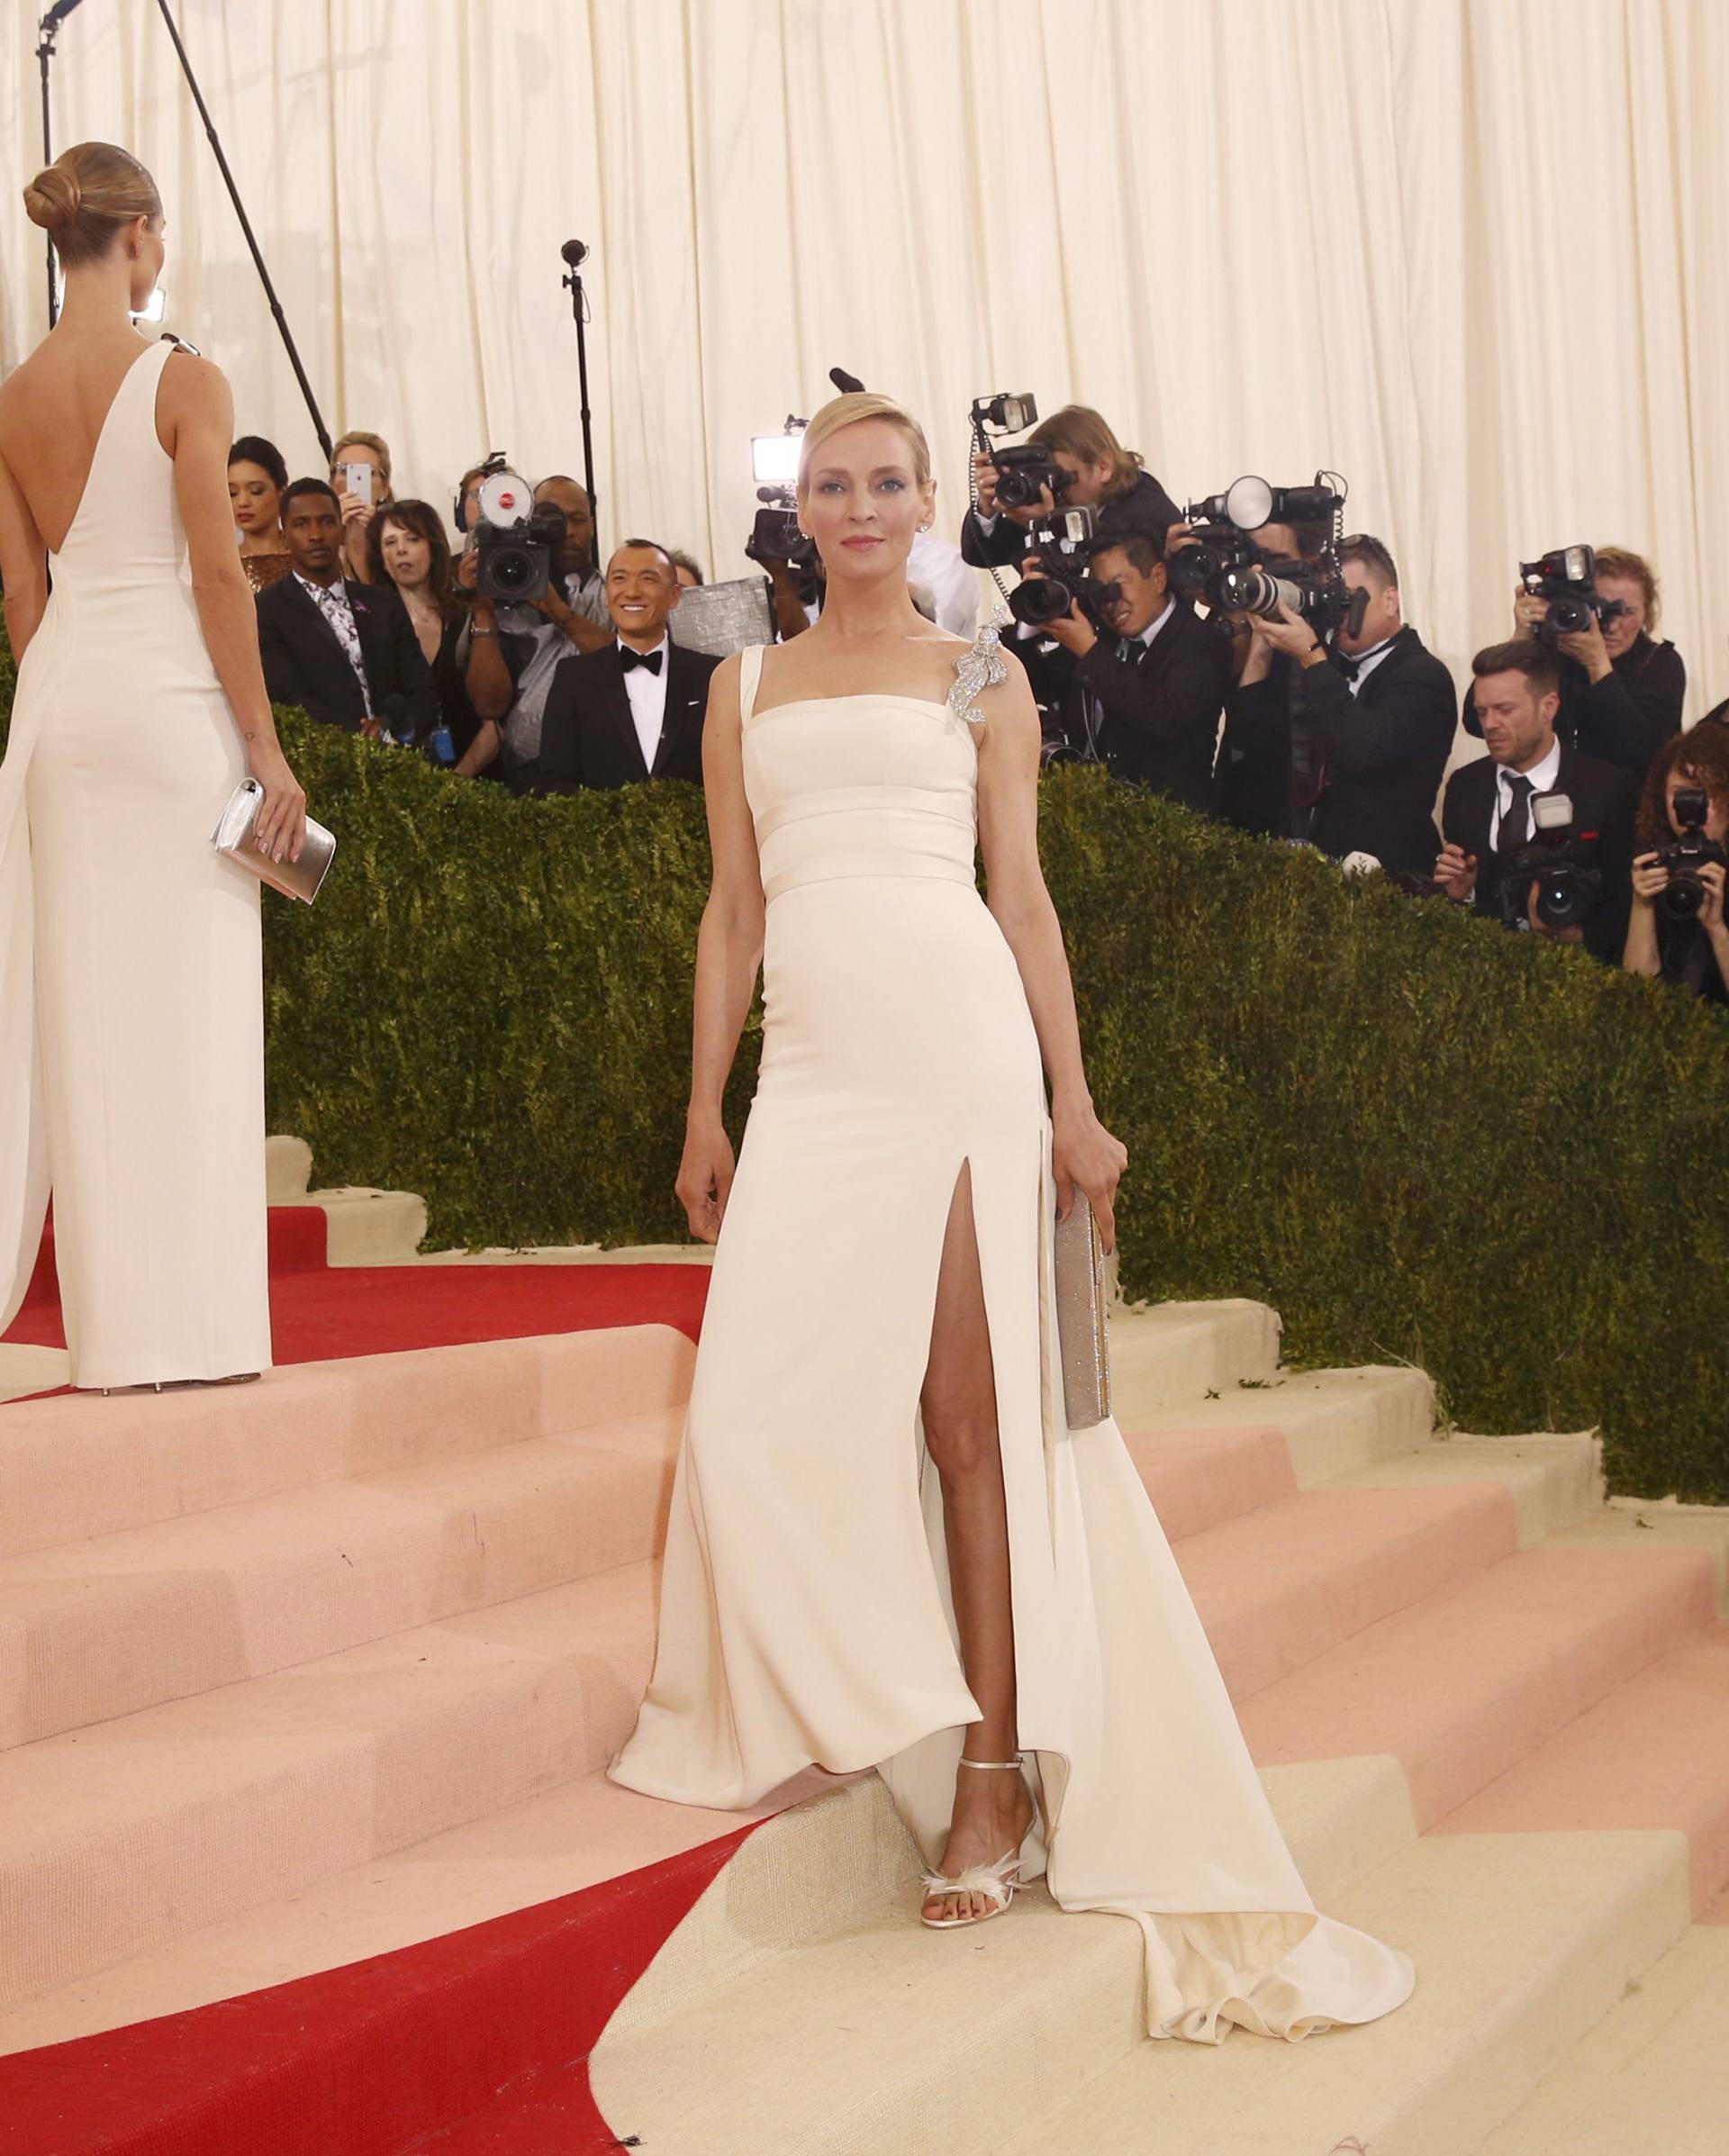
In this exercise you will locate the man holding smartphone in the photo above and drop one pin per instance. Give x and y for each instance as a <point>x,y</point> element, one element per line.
<point>360,475</point>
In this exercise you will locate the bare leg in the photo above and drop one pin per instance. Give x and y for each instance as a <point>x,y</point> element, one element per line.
<point>958,1404</point>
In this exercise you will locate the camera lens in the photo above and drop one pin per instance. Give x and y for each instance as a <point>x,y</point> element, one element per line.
<point>1040,599</point>
<point>512,568</point>
<point>1682,896</point>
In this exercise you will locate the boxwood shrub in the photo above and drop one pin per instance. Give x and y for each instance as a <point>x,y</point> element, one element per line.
<point>1419,1137</point>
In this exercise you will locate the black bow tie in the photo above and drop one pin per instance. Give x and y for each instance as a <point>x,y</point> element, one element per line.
<point>1346,664</point>
<point>628,658</point>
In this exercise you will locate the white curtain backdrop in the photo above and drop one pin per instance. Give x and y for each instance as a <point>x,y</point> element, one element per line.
<point>1474,254</point>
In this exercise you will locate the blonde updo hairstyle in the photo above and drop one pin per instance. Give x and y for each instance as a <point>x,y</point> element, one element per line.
<point>862,404</point>
<point>87,197</point>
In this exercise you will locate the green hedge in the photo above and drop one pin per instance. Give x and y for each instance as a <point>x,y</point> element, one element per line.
<point>1418,1137</point>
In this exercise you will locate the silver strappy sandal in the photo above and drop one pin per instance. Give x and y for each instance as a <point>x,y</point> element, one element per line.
<point>997,1882</point>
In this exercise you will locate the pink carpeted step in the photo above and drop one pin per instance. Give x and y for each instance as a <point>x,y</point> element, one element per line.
<point>1278,1586</point>
<point>126,1835</point>
<point>1197,1478</point>
<point>1463,1685</point>
<point>1653,1754</point>
<point>79,1465</point>
<point>94,1630</point>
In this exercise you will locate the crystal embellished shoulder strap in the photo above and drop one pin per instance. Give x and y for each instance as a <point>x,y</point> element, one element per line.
<point>978,668</point>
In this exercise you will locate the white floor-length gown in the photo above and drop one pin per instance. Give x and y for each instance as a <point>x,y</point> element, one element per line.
<point>805,1613</point>
<point>132,1012</point>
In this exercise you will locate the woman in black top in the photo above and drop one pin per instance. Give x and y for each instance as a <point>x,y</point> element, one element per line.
<point>1693,952</point>
<point>408,548</point>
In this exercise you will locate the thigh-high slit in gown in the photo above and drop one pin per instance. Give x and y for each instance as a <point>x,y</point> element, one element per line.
<point>805,1614</point>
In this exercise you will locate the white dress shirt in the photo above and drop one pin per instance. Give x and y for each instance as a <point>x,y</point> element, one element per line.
<point>1367,661</point>
<point>1542,777</point>
<point>648,695</point>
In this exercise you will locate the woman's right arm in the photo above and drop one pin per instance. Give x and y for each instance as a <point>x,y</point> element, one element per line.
<point>729,954</point>
<point>23,564</point>
<point>1640,954</point>
<point>196,415</point>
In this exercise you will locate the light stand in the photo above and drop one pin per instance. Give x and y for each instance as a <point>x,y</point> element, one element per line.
<point>47,31</point>
<point>576,252</point>
<point>319,427</point>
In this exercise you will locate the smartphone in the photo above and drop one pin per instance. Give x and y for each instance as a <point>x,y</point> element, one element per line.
<point>358,479</point>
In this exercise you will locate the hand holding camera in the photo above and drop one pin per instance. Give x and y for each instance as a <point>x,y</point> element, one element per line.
<point>1685,879</point>
<point>1456,874</point>
<point>1074,630</point>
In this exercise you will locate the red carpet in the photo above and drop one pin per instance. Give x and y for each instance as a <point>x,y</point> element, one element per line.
<point>321,1314</point>
<point>477,2040</point>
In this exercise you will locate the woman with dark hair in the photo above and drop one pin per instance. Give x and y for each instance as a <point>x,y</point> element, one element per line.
<point>1690,948</point>
<point>257,476</point>
<point>131,994</point>
<point>406,546</point>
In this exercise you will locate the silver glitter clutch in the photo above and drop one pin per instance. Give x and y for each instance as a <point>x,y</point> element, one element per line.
<point>1081,1317</point>
<point>234,835</point>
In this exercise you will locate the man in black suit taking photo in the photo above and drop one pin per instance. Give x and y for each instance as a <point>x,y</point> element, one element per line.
<point>1146,695</point>
<point>1375,713</point>
<point>1488,817</point>
<point>634,709</point>
<point>346,652</point>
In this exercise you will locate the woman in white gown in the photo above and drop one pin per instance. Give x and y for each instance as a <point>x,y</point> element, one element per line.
<point>131,1029</point>
<point>885,1546</point>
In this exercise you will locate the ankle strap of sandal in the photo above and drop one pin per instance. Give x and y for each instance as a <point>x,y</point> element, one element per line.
<point>990,1766</point>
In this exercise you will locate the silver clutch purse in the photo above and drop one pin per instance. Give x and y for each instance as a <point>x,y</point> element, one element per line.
<point>1081,1317</point>
<point>234,835</point>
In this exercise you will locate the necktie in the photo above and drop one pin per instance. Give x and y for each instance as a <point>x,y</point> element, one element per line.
<point>628,658</point>
<point>1516,817</point>
<point>1346,664</point>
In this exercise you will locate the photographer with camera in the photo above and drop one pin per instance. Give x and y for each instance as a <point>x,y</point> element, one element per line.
<point>1507,851</point>
<point>1079,465</point>
<point>532,600</point>
<point>1149,679</point>
<point>1260,751</point>
<point>1678,929</point>
<point>1377,711</point>
<point>1621,690</point>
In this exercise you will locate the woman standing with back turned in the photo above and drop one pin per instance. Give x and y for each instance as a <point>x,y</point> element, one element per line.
<point>132,1034</point>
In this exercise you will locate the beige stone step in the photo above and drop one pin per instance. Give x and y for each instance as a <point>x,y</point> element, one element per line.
<point>1026,2035</point>
<point>1333,1420</point>
<point>1651,2078</point>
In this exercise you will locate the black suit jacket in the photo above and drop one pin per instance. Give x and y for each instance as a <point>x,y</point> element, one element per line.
<point>1145,508</point>
<point>1158,707</point>
<point>589,738</point>
<point>1604,799</point>
<point>1382,755</point>
<point>1626,717</point>
<point>304,662</point>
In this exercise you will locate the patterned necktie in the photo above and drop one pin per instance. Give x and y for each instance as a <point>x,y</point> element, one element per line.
<point>332,602</point>
<point>628,658</point>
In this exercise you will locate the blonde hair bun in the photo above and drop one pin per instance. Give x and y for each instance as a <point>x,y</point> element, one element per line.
<point>52,198</point>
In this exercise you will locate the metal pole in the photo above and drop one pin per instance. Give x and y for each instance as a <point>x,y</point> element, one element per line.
<point>319,427</point>
<point>574,253</point>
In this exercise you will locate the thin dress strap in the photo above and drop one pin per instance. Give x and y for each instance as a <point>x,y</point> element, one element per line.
<point>750,672</point>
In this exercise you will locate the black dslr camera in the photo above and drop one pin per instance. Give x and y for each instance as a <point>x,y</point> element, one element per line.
<point>514,541</point>
<point>775,536</point>
<point>1682,896</point>
<point>1023,469</point>
<point>1565,578</point>
<point>1566,890</point>
<point>1225,569</point>
<point>1063,541</point>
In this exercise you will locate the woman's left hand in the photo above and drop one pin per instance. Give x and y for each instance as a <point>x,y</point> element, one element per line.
<point>1085,1156</point>
<point>1711,917</point>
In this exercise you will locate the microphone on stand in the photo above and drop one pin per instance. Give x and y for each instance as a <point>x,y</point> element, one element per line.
<point>56,15</point>
<point>848,385</point>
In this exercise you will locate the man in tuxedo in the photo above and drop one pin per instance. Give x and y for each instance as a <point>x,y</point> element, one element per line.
<point>341,650</point>
<point>1372,724</point>
<point>1256,756</point>
<point>1486,816</point>
<point>1145,697</point>
<point>634,709</point>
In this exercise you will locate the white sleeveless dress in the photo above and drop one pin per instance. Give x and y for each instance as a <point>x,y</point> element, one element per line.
<point>131,1008</point>
<point>805,1614</point>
